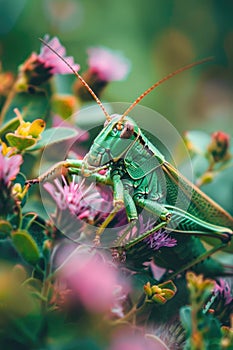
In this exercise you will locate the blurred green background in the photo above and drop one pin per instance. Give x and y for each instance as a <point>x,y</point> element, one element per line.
<point>157,36</point>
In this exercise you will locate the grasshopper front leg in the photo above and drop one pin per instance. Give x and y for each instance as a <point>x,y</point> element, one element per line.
<point>74,167</point>
<point>121,198</point>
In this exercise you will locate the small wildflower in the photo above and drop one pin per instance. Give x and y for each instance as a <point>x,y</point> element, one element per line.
<point>52,61</point>
<point>129,340</point>
<point>160,239</point>
<point>200,288</point>
<point>221,302</point>
<point>9,166</point>
<point>74,196</point>
<point>222,288</point>
<point>77,204</point>
<point>95,282</point>
<point>155,240</point>
<point>27,133</point>
<point>160,293</point>
<point>107,64</point>
<point>219,146</point>
<point>37,69</point>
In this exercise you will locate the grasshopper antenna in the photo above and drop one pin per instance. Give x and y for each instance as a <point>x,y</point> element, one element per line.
<point>182,69</point>
<point>81,79</point>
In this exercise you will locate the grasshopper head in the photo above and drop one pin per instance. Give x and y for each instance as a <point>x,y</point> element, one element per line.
<point>113,141</point>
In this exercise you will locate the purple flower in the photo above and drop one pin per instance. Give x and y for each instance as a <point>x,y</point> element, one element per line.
<point>52,61</point>
<point>108,65</point>
<point>160,239</point>
<point>221,302</point>
<point>81,201</point>
<point>76,205</point>
<point>9,167</point>
<point>223,290</point>
<point>157,239</point>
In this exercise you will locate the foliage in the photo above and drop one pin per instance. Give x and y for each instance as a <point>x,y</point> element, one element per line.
<point>61,293</point>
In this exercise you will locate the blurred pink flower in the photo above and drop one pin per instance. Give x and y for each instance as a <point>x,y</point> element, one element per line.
<point>95,282</point>
<point>9,167</point>
<point>108,65</point>
<point>137,341</point>
<point>52,61</point>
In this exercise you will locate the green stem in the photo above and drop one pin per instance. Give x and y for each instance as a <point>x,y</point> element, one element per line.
<point>7,103</point>
<point>46,287</point>
<point>132,313</point>
<point>20,218</point>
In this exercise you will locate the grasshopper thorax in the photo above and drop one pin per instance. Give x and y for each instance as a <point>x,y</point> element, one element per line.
<point>113,142</point>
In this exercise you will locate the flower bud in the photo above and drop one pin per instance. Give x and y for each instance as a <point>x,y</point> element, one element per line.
<point>104,66</point>
<point>38,68</point>
<point>33,72</point>
<point>160,293</point>
<point>219,146</point>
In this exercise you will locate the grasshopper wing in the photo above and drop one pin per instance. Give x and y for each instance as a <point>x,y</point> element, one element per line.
<point>183,194</point>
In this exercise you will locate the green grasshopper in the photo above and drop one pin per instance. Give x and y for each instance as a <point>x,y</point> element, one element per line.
<point>141,178</point>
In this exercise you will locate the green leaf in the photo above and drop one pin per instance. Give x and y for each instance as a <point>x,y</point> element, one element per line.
<point>168,285</point>
<point>11,126</point>
<point>20,142</point>
<point>5,229</point>
<point>26,246</point>
<point>54,135</point>
<point>185,318</point>
<point>33,105</point>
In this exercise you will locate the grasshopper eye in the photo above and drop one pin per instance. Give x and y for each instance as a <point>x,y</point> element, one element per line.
<point>127,131</point>
<point>119,126</point>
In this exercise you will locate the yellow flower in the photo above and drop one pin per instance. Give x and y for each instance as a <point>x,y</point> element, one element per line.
<point>27,133</point>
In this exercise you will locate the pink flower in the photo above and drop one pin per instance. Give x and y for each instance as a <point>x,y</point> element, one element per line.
<point>94,281</point>
<point>136,341</point>
<point>81,203</point>
<point>37,69</point>
<point>52,61</point>
<point>223,290</point>
<point>108,65</point>
<point>9,167</point>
